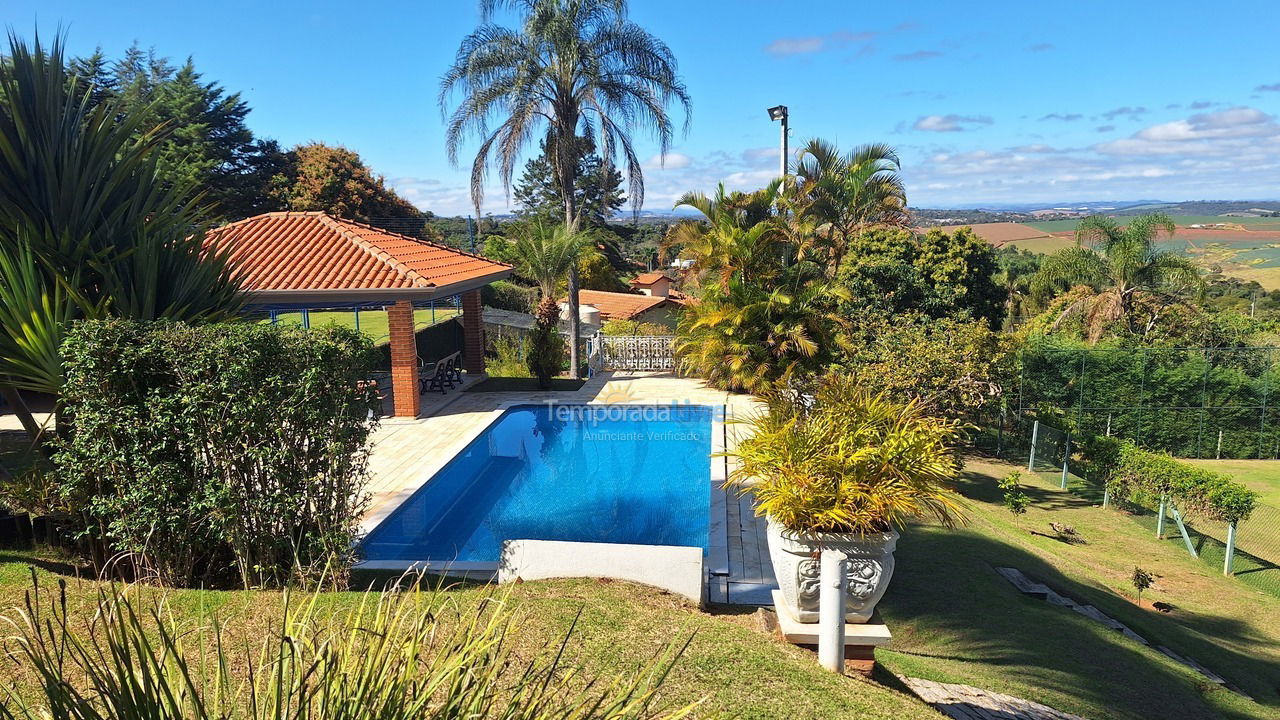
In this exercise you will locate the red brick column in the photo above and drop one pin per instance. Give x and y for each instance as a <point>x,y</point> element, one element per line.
<point>404,359</point>
<point>472,333</point>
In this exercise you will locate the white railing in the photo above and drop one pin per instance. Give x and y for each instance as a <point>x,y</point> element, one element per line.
<point>636,352</point>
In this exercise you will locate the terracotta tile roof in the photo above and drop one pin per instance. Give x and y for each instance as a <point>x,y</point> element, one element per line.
<point>618,305</point>
<point>310,251</point>
<point>649,278</point>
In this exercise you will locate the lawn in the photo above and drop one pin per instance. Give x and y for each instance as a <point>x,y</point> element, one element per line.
<point>729,664</point>
<point>953,618</point>
<point>1262,476</point>
<point>373,321</point>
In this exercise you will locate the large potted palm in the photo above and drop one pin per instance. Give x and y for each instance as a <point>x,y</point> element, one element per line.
<point>840,469</point>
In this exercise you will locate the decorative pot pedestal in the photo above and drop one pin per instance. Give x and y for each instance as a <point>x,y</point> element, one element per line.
<point>860,639</point>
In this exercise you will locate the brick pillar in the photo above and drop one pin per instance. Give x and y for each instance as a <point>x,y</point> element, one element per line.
<point>404,359</point>
<point>472,333</point>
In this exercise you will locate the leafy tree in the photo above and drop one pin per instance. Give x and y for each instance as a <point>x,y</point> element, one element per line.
<point>89,224</point>
<point>335,180</point>
<point>1125,268</point>
<point>572,69</point>
<point>955,368</point>
<point>1141,580</point>
<point>960,267</point>
<point>598,187</point>
<point>597,273</point>
<point>207,144</point>
<point>939,274</point>
<point>1015,500</point>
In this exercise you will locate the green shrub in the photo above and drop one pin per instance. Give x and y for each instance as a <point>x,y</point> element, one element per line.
<point>505,295</point>
<point>546,355</point>
<point>508,358</point>
<point>402,655</point>
<point>1014,499</point>
<point>1143,477</point>
<point>201,449</point>
<point>621,326</point>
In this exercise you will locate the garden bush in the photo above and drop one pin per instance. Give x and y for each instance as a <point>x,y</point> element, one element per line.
<point>1143,477</point>
<point>216,451</point>
<point>505,295</point>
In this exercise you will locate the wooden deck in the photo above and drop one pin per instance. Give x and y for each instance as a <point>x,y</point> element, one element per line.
<point>408,452</point>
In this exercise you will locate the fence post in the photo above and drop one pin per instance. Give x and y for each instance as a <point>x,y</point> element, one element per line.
<point>1160,519</point>
<point>1108,424</point>
<point>1219,457</point>
<point>1182,528</point>
<point>1066,458</point>
<point>1231,549</point>
<point>1106,496</point>
<point>1035,433</point>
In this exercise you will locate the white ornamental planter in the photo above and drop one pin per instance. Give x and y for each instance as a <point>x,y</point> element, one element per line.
<point>796,566</point>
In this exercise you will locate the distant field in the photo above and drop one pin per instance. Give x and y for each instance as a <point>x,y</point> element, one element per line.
<point>1054,226</point>
<point>1260,475</point>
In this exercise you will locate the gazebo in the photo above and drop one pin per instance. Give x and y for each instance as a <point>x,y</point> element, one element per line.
<point>311,260</point>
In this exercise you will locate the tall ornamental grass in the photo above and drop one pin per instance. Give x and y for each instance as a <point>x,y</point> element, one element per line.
<point>397,654</point>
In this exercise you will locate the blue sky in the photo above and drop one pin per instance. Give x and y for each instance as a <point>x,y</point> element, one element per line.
<point>987,103</point>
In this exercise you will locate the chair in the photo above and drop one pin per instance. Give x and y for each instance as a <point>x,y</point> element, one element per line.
<point>453,367</point>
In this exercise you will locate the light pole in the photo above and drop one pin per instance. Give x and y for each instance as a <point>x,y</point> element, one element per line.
<point>779,113</point>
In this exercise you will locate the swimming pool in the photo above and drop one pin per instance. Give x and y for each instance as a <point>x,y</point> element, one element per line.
<point>637,474</point>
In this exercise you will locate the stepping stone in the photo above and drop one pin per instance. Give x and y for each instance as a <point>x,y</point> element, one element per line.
<point>965,702</point>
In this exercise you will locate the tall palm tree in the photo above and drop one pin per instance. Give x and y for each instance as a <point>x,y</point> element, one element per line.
<point>843,194</point>
<point>1121,264</point>
<point>573,68</point>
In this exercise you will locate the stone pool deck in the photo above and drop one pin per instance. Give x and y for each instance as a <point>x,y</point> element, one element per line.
<point>407,452</point>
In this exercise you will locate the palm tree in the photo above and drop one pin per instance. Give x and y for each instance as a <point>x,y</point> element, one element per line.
<point>843,194</point>
<point>545,253</point>
<point>738,236</point>
<point>753,338</point>
<point>1125,267</point>
<point>86,225</point>
<point>575,68</point>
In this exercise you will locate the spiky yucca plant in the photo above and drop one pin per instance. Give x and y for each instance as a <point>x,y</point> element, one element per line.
<point>845,460</point>
<point>396,655</point>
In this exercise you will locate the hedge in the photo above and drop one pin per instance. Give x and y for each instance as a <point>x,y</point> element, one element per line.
<point>1143,476</point>
<point>218,452</point>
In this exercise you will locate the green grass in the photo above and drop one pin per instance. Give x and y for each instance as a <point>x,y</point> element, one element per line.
<point>373,322</point>
<point>955,620</point>
<point>735,669</point>
<point>1262,476</point>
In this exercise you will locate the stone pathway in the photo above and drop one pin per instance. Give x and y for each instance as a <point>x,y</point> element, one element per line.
<point>1039,590</point>
<point>963,702</point>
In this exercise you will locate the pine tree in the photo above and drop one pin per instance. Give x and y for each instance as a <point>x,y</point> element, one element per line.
<point>598,187</point>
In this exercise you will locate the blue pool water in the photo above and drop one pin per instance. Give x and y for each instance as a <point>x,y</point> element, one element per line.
<point>586,473</point>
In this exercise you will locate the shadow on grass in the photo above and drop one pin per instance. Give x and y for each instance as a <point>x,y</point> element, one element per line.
<point>66,568</point>
<point>946,591</point>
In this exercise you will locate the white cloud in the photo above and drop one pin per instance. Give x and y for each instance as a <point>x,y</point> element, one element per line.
<point>949,123</point>
<point>672,161</point>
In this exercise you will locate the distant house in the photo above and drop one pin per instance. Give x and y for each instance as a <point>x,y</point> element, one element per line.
<point>630,306</point>
<point>652,283</point>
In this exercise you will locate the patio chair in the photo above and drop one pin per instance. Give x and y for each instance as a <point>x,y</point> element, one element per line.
<point>453,366</point>
<point>439,378</point>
